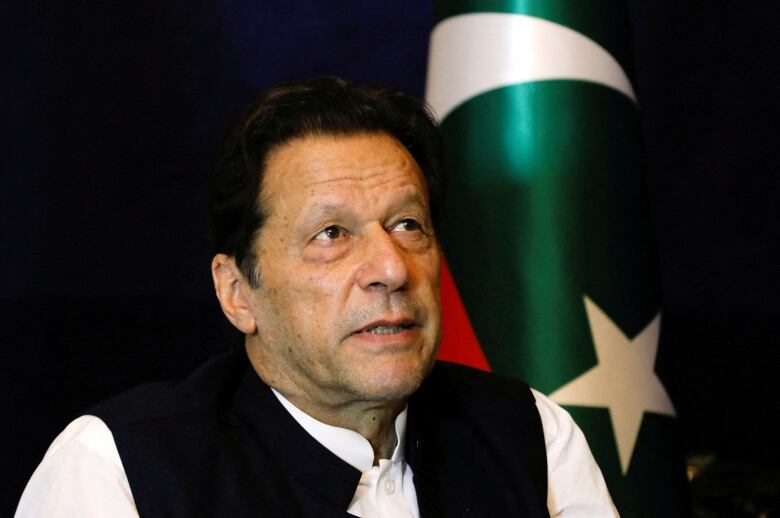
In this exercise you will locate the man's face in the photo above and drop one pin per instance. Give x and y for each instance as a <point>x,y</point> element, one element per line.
<point>348,303</point>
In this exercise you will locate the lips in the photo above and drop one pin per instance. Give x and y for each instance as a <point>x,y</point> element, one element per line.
<point>387,327</point>
<point>386,330</point>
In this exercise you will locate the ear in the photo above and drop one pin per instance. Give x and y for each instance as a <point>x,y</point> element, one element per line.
<point>233,292</point>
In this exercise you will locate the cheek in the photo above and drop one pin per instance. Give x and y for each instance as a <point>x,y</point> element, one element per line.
<point>323,284</point>
<point>428,271</point>
<point>312,298</point>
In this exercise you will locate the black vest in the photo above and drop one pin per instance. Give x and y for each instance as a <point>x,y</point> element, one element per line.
<point>221,444</point>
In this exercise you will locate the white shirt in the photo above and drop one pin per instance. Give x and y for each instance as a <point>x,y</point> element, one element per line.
<point>383,490</point>
<point>82,474</point>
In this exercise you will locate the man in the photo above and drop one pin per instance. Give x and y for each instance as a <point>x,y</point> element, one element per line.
<point>322,213</point>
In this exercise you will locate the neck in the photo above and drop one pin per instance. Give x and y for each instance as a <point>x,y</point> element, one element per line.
<point>374,420</point>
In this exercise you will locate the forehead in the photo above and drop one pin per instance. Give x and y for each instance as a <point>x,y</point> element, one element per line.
<point>329,167</point>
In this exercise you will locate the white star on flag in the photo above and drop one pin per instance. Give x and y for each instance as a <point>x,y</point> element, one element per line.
<point>623,381</point>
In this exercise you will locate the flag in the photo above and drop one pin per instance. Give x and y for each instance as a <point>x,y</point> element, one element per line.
<point>547,233</point>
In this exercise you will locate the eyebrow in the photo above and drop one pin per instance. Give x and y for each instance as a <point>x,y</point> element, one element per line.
<point>324,210</point>
<point>410,198</point>
<point>329,209</point>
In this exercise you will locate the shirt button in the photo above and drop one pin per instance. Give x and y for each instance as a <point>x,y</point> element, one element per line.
<point>390,486</point>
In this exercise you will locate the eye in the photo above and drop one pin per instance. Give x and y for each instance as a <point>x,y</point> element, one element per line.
<point>330,233</point>
<point>406,225</point>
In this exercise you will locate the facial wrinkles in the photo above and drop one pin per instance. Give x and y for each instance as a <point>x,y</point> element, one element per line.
<point>323,361</point>
<point>359,307</point>
<point>370,171</point>
<point>360,196</point>
<point>366,176</point>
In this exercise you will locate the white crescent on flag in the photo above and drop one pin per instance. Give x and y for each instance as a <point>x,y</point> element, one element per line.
<point>474,53</point>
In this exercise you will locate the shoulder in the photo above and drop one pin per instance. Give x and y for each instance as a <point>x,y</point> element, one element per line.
<point>557,423</point>
<point>564,441</point>
<point>575,483</point>
<point>81,465</point>
<point>199,392</point>
<point>88,433</point>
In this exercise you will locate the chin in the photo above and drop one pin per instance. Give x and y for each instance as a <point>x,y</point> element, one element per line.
<point>395,381</point>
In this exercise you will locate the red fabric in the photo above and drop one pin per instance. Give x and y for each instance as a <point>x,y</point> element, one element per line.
<point>459,344</point>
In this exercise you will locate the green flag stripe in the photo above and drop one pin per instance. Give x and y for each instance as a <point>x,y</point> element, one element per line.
<point>558,207</point>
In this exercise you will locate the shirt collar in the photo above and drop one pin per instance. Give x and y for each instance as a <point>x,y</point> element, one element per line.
<point>348,445</point>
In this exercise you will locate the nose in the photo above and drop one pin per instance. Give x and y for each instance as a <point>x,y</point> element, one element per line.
<point>384,264</point>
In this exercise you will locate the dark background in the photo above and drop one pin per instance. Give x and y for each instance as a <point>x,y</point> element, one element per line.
<point>110,112</point>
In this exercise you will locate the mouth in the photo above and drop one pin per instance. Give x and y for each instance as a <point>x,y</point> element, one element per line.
<point>385,327</point>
